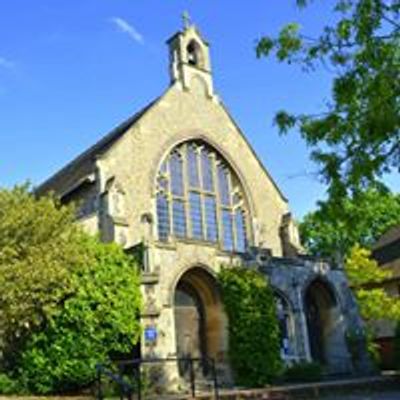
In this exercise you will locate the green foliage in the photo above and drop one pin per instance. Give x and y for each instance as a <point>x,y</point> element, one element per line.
<point>99,320</point>
<point>364,275</point>
<point>303,372</point>
<point>253,326</point>
<point>372,347</point>
<point>80,303</point>
<point>8,385</point>
<point>357,340</point>
<point>335,227</point>
<point>356,139</point>
<point>39,248</point>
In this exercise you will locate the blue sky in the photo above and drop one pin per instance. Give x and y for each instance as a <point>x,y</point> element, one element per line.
<point>72,70</point>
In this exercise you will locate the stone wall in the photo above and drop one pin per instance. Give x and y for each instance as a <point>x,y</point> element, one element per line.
<point>176,117</point>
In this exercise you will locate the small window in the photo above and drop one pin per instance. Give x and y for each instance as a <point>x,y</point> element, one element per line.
<point>285,324</point>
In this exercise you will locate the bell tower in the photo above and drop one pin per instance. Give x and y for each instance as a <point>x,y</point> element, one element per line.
<point>190,60</point>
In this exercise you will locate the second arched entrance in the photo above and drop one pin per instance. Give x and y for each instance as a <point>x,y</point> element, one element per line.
<point>324,324</point>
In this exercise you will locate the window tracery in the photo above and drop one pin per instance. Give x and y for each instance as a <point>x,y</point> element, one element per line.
<point>199,197</point>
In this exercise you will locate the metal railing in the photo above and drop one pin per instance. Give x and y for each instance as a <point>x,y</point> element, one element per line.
<point>127,375</point>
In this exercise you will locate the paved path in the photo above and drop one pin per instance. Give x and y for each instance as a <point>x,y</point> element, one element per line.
<point>374,396</point>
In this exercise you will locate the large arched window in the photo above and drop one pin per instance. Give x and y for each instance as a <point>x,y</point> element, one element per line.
<point>199,197</point>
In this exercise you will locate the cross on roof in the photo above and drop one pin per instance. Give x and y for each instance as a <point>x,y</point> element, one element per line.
<point>186,19</point>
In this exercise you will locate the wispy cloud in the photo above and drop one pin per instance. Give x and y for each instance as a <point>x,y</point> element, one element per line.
<point>129,29</point>
<point>5,63</point>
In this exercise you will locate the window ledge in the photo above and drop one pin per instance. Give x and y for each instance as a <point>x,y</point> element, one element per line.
<point>172,242</point>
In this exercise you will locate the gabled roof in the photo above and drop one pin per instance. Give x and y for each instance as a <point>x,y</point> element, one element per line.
<point>387,249</point>
<point>390,236</point>
<point>85,161</point>
<point>198,33</point>
<point>284,198</point>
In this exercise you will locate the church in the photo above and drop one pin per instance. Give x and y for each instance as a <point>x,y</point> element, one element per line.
<point>179,181</point>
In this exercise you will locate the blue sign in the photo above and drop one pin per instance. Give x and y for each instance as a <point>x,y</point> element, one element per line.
<point>150,333</point>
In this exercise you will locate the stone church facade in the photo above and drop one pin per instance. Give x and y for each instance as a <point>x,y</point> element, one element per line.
<point>180,181</point>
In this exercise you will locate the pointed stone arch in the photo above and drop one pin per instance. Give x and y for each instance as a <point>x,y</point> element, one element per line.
<point>200,322</point>
<point>325,323</point>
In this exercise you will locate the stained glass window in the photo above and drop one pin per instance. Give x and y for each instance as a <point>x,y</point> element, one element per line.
<point>179,218</point>
<point>200,197</point>
<point>223,185</point>
<point>193,168</point>
<point>206,168</point>
<point>240,230</point>
<point>176,174</point>
<point>196,215</point>
<point>286,327</point>
<point>227,229</point>
<point>211,218</point>
<point>163,216</point>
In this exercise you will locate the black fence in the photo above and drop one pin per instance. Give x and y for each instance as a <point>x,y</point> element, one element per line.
<point>145,379</point>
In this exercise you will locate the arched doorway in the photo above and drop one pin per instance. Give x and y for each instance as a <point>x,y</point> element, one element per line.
<point>325,331</point>
<point>189,322</point>
<point>199,318</point>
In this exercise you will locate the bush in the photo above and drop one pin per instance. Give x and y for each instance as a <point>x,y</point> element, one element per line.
<point>99,320</point>
<point>67,301</point>
<point>254,347</point>
<point>8,385</point>
<point>303,372</point>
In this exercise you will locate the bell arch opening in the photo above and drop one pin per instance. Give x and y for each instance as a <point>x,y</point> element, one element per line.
<point>200,321</point>
<point>324,323</point>
<point>194,54</point>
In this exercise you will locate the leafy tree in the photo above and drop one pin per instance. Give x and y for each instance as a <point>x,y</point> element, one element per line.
<point>100,320</point>
<point>254,348</point>
<point>39,248</point>
<point>67,301</point>
<point>357,138</point>
<point>335,227</point>
<point>365,276</point>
